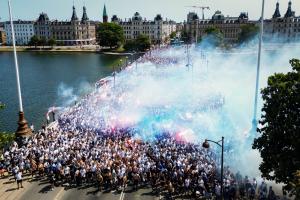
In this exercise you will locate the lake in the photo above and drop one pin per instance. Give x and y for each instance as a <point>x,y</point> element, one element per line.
<point>48,79</point>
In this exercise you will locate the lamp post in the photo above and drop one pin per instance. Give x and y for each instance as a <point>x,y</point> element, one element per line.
<point>121,64</point>
<point>114,73</point>
<point>23,131</point>
<point>254,120</point>
<point>206,145</point>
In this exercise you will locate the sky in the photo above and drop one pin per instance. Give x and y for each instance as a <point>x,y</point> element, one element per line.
<point>172,9</point>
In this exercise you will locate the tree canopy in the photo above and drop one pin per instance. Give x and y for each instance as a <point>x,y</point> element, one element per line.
<point>141,43</point>
<point>110,35</point>
<point>279,140</point>
<point>248,32</point>
<point>34,41</point>
<point>5,138</point>
<point>185,36</point>
<point>214,36</point>
<point>173,35</point>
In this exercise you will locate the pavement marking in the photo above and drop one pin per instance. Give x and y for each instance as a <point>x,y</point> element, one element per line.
<point>58,195</point>
<point>122,195</point>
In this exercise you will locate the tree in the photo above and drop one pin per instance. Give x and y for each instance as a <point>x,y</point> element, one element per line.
<point>173,35</point>
<point>110,35</point>
<point>130,45</point>
<point>52,42</point>
<point>185,36</point>
<point>279,142</point>
<point>248,32</point>
<point>42,41</point>
<point>34,41</point>
<point>5,138</point>
<point>214,36</point>
<point>143,42</point>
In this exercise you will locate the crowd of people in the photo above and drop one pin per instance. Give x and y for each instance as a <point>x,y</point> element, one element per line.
<point>114,159</point>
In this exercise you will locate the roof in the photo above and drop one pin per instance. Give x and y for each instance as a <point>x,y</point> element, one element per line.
<point>74,15</point>
<point>104,11</point>
<point>43,17</point>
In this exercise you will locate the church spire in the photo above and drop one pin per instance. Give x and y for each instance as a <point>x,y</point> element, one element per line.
<point>84,15</point>
<point>289,12</point>
<point>74,15</point>
<point>105,16</point>
<point>277,12</point>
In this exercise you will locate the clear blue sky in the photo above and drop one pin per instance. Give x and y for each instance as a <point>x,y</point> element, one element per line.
<point>171,9</point>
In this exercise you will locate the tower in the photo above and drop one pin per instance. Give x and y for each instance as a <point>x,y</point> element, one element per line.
<point>289,12</point>
<point>277,12</point>
<point>105,17</point>
<point>84,15</point>
<point>74,15</point>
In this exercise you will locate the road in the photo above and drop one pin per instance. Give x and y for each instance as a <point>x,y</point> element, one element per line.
<point>40,190</point>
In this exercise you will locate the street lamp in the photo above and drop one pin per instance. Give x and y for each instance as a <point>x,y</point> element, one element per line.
<point>126,61</point>
<point>23,131</point>
<point>206,145</point>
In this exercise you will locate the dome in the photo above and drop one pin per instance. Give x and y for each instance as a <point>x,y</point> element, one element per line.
<point>137,16</point>
<point>158,18</point>
<point>218,16</point>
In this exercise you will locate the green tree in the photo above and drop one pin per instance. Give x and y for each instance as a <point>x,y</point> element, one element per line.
<point>143,42</point>
<point>185,36</point>
<point>279,142</point>
<point>248,32</point>
<point>5,138</point>
<point>173,35</point>
<point>110,35</point>
<point>42,41</point>
<point>34,41</point>
<point>52,42</point>
<point>214,36</point>
<point>130,45</point>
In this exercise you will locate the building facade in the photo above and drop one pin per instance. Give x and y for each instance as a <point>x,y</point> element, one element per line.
<point>42,27</point>
<point>229,26</point>
<point>24,30</point>
<point>157,30</point>
<point>2,34</point>
<point>73,32</point>
<point>283,28</point>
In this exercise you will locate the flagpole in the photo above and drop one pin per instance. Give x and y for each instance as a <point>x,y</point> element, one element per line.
<point>23,129</point>
<point>254,121</point>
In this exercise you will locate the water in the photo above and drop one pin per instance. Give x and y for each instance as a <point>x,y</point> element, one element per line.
<point>47,79</point>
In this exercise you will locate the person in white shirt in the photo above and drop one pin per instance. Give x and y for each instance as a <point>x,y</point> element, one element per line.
<point>19,179</point>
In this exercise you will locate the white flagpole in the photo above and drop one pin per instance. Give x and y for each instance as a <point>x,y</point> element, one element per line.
<point>254,121</point>
<point>15,58</point>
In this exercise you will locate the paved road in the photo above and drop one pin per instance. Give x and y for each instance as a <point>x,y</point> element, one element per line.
<point>40,190</point>
<point>91,193</point>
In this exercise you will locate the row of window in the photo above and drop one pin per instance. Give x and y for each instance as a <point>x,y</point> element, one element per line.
<point>285,31</point>
<point>22,34</point>
<point>144,27</point>
<point>20,30</point>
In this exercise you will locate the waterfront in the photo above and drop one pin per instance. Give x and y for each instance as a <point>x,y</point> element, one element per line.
<point>48,79</point>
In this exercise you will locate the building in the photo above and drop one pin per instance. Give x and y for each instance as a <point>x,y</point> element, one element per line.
<point>73,32</point>
<point>2,34</point>
<point>42,27</point>
<point>157,30</point>
<point>282,28</point>
<point>229,26</point>
<point>24,30</point>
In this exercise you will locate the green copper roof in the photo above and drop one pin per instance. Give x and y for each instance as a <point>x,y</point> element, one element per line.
<point>104,11</point>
